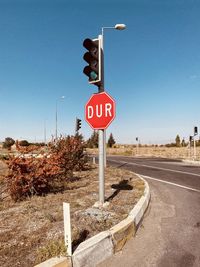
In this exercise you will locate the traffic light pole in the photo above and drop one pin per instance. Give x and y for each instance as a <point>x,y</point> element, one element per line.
<point>95,74</point>
<point>101,135</point>
<point>195,133</point>
<point>102,88</point>
<point>194,147</point>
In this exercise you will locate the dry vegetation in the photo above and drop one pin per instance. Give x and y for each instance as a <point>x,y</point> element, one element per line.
<point>31,231</point>
<point>152,151</point>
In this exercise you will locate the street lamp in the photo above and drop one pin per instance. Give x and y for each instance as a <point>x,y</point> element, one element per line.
<point>56,134</point>
<point>120,26</point>
<point>116,27</point>
<point>102,133</point>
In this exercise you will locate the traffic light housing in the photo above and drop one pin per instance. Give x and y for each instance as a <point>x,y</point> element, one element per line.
<point>93,57</point>
<point>191,138</point>
<point>78,124</point>
<point>195,130</point>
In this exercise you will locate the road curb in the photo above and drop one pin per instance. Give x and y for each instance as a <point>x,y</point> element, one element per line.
<point>138,211</point>
<point>93,250</point>
<point>105,244</point>
<point>56,262</point>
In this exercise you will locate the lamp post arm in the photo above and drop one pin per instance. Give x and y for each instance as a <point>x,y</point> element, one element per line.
<point>102,29</point>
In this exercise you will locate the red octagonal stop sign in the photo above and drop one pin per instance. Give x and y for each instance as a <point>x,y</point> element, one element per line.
<point>100,110</point>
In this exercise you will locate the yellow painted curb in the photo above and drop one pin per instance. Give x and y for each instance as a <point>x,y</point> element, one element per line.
<point>122,232</point>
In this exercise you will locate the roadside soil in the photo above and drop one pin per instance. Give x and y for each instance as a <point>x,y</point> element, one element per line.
<point>32,231</point>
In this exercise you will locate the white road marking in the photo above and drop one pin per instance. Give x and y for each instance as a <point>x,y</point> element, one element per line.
<point>153,167</point>
<point>178,185</point>
<point>162,181</point>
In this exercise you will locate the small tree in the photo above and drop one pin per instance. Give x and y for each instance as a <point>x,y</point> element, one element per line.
<point>8,143</point>
<point>111,140</point>
<point>93,140</point>
<point>178,141</point>
<point>183,143</point>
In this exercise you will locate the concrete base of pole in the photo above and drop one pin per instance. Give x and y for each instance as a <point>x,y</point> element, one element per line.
<point>99,205</point>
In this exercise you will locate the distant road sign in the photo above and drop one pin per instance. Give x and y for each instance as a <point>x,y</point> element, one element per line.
<point>100,110</point>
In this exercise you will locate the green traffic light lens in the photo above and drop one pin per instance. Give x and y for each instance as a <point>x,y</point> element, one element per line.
<point>93,75</point>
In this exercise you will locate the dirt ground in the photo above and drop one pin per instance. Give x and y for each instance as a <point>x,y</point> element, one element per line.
<point>31,231</point>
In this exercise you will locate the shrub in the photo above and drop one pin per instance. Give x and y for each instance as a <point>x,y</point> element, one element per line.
<point>38,144</point>
<point>70,151</point>
<point>8,142</point>
<point>171,145</point>
<point>23,143</point>
<point>30,176</point>
<point>54,248</point>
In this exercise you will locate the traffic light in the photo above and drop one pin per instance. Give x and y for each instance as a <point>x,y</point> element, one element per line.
<point>195,130</point>
<point>78,124</point>
<point>93,58</point>
<point>191,138</point>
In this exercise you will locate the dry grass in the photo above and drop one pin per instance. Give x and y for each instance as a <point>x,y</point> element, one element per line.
<point>32,230</point>
<point>166,152</point>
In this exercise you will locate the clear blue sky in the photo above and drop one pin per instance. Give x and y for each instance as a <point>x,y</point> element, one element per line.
<point>152,68</point>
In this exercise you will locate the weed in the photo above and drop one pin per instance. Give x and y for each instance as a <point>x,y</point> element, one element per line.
<point>52,249</point>
<point>50,217</point>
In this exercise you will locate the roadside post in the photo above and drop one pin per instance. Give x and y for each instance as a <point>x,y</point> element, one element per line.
<point>67,228</point>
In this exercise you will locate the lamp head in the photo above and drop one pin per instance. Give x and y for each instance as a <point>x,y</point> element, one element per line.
<point>120,26</point>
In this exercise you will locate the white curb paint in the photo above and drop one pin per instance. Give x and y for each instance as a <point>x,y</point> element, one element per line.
<point>138,211</point>
<point>94,250</point>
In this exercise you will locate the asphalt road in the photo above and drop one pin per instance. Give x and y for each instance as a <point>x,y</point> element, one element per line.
<point>169,235</point>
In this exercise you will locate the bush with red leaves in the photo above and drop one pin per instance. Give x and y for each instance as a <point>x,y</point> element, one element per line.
<point>29,175</point>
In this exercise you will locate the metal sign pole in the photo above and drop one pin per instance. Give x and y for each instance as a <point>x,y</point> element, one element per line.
<point>101,167</point>
<point>103,84</point>
<point>101,135</point>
